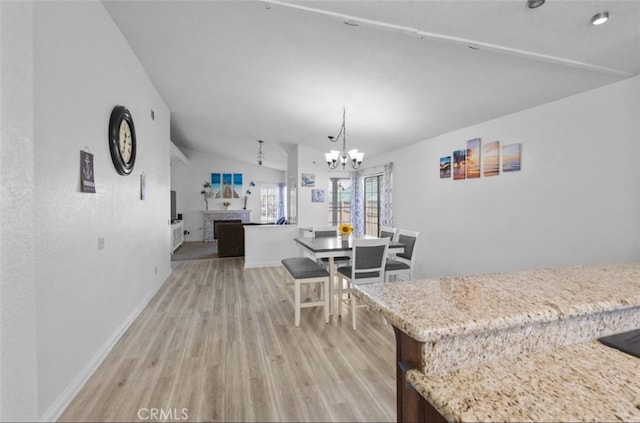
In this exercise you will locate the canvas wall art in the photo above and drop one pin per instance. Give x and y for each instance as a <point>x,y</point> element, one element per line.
<point>472,158</point>
<point>308,180</point>
<point>226,185</point>
<point>445,167</point>
<point>237,185</point>
<point>317,195</point>
<point>216,185</point>
<point>459,168</point>
<point>491,158</point>
<point>511,157</point>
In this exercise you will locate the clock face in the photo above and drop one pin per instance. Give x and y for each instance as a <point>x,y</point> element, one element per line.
<point>122,140</point>
<point>125,145</point>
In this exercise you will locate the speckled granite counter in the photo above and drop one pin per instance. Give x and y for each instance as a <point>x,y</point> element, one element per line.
<point>580,382</point>
<point>469,320</point>
<point>458,338</point>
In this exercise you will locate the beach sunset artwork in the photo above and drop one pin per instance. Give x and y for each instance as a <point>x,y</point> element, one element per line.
<point>491,154</point>
<point>511,157</point>
<point>472,159</point>
<point>459,167</point>
<point>445,167</point>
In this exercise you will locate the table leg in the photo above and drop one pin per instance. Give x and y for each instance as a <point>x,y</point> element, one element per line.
<point>335,311</point>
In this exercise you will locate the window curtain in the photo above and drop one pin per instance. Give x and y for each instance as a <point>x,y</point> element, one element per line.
<point>386,201</point>
<point>357,202</point>
<point>386,198</point>
<point>281,195</point>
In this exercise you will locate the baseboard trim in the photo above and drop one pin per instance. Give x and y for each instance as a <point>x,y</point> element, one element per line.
<point>54,412</point>
<point>262,264</point>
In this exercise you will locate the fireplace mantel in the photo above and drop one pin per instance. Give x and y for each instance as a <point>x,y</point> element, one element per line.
<point>211,215</point>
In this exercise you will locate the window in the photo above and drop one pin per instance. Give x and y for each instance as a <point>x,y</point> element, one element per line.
<point>268,204</point>
<point>340,201</point>
<point>372,186</point>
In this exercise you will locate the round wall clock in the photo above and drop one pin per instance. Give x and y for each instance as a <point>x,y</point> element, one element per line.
<point>122,140</point>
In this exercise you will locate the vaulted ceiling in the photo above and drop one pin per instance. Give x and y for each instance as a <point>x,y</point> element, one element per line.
<point>235,72</point>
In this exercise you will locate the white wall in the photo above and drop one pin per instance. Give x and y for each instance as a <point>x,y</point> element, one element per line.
<point>187,181</point>
<point>86,297</point>
<point>312,214</point>
<point>267,245</point>
<point>18,376</point>
<point>574,201</point>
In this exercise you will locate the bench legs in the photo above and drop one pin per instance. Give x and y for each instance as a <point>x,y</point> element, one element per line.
<point>297,302</point>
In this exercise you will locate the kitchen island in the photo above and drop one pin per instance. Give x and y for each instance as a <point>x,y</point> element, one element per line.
<point>450,325</point>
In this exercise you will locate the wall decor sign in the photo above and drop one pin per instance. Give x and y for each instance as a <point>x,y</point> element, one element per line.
<point>491,158</point>
<point>308,180</point>
<point>317,195</point>
<point>87,183</point>
<point>143,186</point>
<point>445,167</point>
<point>511,157</point>
<point>459,167</point>
<point>226,185</point>
<point>472,158</point>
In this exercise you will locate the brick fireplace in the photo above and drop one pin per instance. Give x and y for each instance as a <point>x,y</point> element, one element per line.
<point>211,216</point>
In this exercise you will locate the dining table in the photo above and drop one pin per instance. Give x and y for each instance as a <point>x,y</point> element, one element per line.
<point>336,246</point>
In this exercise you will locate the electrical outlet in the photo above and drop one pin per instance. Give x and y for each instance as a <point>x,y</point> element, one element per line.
<point>100,243</point>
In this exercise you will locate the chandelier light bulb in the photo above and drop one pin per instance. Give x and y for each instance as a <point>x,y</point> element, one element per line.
<point>600,18</point>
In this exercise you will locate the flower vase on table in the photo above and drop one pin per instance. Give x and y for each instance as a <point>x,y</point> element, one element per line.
<point>345,231</point>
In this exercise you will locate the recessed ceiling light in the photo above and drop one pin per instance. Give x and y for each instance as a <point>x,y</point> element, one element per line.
<point>535,3</point>
<point>600,18</point>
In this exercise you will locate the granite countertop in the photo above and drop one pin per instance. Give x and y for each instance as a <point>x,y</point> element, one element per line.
<point>431,309</point>
<point>581,382</point>
<point>467,321</point>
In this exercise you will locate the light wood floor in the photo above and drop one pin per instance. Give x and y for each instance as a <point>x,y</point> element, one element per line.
<point>219,341</point>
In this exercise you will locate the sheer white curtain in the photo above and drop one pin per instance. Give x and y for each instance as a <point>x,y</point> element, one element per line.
<point>281,197</point>
<point>386,197</point>
<point>357,202</point>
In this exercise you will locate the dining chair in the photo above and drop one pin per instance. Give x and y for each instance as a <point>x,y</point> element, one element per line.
<point>387,232</point>
<point>367,266</point>
<point>330,232</point>
<point>325,232</point>
<point>403,263</point>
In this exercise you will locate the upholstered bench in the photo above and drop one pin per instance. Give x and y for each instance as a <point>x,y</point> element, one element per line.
<point>303,270</point>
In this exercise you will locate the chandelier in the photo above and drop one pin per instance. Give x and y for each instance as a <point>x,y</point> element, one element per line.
<point>354,157</point>
<point>260,155</point>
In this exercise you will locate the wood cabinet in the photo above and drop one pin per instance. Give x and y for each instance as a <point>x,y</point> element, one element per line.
<point>411,406</point>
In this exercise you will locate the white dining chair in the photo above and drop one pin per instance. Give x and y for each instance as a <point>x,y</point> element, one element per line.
<point>387,232</point>
<point>403,263</point>
<point>367,266</point>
